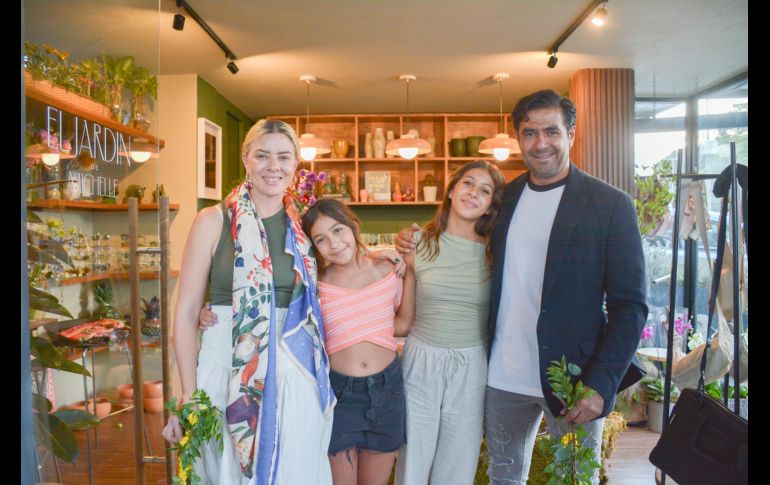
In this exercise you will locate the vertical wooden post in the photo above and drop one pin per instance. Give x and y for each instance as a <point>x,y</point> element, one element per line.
<point>604,138</point>
<point>163,217</point>
<point>136,334</point>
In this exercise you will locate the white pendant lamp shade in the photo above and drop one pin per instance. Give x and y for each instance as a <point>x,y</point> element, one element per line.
<point>408,147</point>
<point>310,147</point>
<point>501,146</point>
<point>140,150</point>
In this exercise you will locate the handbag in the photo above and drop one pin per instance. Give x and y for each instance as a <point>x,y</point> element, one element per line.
<point>703,441</point>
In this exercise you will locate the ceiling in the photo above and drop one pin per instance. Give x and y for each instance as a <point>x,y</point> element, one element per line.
<point>357,49</point>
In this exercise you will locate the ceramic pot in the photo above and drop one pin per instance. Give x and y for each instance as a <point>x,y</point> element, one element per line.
<point>363,195</point>
<point>655,415</point>
<point>125,391</point>
<point>457,147</point>
<point>103,407</point>
<point>153,404</point>
<point>369,146</point>
<point>432,143</point>
<point>472,145</point>
<point>378,143</point>
<point>153,389</point>
<point>429,193</point>
<point>340,148</point>
<point>71,190</point>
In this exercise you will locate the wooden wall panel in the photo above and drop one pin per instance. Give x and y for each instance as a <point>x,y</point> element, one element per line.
<point>604,137</point>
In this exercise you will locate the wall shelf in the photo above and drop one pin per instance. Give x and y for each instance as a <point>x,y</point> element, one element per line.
<point>90,206</point>
<point>116,275</point>
<point>353,128</point>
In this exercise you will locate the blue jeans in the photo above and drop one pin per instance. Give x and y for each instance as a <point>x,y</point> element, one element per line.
<point>511,422</point>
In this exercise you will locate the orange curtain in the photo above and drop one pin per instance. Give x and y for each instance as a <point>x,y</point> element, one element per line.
<point>604,136</point>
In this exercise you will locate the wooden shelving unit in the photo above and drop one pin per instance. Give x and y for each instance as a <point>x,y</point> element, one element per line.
<point>409,173</point>
<point>115,275</point>
<point>91,206</point>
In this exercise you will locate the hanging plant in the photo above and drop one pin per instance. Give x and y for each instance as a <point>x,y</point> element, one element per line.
<point>653,197</point>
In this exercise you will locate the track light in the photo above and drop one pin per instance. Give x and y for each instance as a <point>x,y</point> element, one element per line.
<point>233,68</point>
<point>552,61</point>
<point>179,18</point>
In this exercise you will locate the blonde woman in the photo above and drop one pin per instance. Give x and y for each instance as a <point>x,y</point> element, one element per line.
<point>265,366</point>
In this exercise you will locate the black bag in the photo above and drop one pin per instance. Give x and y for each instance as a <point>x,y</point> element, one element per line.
<point>703,441</point>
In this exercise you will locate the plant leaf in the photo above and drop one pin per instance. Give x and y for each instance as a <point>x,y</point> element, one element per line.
<point>574,369</point>
<point>33,217</point>
<point>77,418</point>
<point>40,403</point>
<point>40,300</point>
<point>56,436</point>
<point>46,355</point>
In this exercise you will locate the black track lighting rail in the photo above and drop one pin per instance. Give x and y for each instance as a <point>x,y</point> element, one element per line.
<point>555,47</point>
<point>228,53</point>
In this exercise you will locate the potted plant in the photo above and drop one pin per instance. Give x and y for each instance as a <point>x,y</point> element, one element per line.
<point>53,429</point>
<point>118,74</point>
<point>655,393</point>
<point>142,83</point>
<point>652,199</point>
<point>429,188</point>
<point>715,390</point>
<point>103,296</point>
<point>151,322</point>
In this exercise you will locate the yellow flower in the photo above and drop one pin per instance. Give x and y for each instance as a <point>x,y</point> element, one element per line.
<point>183,475</point>
<point>192,418</point>
<point>566,439</point>
<point>185,439</point>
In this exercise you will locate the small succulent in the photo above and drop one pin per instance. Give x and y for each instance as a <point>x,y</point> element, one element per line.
<point>152,308</point>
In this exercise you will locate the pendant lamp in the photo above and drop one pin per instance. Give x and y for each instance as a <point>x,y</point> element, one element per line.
<point>309,145</point>
<point>408,145</point>
<point>501,146</point>
<point>140,150</point>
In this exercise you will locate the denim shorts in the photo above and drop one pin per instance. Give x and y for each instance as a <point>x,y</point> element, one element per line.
<point>370,412</point>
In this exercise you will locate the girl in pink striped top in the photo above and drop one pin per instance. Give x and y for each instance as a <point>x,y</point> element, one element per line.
<point>364,306</point>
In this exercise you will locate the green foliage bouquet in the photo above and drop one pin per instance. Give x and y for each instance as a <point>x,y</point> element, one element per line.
<point>200,422</point>
<point>573,464</point>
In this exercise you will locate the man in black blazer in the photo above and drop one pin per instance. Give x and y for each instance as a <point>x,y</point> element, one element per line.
<point>568,280</point>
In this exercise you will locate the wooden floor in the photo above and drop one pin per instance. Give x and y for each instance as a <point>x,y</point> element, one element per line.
<point>629,463</point>
<point>114,458</point>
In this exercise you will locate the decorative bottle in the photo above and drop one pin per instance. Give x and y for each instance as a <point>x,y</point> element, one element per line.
<point>369,146</point>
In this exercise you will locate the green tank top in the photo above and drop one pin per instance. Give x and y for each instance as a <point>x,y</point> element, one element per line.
<point>221,274</point>
<point>452,293</point>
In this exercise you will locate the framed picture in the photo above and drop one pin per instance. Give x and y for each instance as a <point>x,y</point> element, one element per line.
<point>209,160</point>
<point>378,184</point>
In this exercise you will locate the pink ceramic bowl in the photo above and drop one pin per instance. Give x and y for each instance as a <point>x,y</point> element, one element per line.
<point>153,404</point>
<point>125,391</point>
<point>153,389</point>
<point>103,406</point>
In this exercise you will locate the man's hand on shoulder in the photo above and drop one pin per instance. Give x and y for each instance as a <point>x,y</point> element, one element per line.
<point>405,239</point>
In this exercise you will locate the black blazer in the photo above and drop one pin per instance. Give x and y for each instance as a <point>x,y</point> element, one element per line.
<point>594,255</point>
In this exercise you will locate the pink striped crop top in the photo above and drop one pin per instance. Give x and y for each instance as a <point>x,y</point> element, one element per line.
<point>365,314</point>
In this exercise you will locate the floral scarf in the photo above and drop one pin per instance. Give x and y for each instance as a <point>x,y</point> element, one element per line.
<point>253,388</point>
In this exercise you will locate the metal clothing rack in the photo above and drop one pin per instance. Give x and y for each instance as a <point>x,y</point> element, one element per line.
<point>672,287</point>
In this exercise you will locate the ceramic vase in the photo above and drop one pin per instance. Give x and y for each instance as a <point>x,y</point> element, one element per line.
<point>369,146</point>
<point>340,148</point>
<point>379,143</point>
<point>390,137</point>
<point>432,143</point>
<point>363,195</point>
<point>429,193</point>
<point>397,195</point>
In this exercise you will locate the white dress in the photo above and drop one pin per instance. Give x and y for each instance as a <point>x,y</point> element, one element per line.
<point>303,430</point>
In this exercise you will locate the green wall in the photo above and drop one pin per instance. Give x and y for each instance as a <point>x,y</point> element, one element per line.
<point>386,219</point>
<point>234,122</point>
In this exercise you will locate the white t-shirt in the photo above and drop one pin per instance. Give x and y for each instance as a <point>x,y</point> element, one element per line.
<point>514,363</point>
